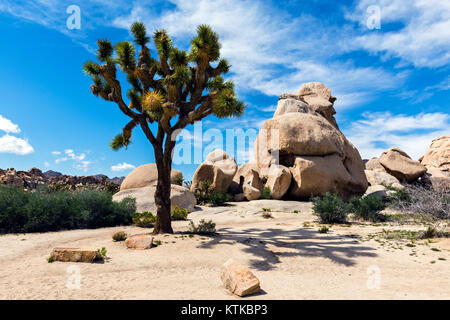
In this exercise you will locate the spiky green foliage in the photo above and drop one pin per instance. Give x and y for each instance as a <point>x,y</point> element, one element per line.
<point>140,34</point>
<point>118,142</point>
<point>105,50</point>
<point>126,55</point>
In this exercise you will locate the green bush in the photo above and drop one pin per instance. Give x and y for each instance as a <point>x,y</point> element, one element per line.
<point>367,207</point>
<point>119,236</point>
<point>323,229</point>
<point>47,210</point>
<point>330,208</point>
<point>265,193</point>
<point>179,214</point>
<point>203,227</point>
<point>144,219</point>
<point>213,197</point>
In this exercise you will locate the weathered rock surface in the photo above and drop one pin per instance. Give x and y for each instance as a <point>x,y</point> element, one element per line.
<point>139,242</point>
<point>400,165</point>
<point>380,178</point>
<point>145,198</point>
<point>374,165</point>
<point>146,175</point>
<point>438,179</point>
<point>218,168</point>
<point>238,279</point>
<point>251,193</point>
<point>438,155</point>
<point>304,137</point>
<point>377,190</point>
<point>247,173</point>
<point>278,181</point>
<point>73,255</point>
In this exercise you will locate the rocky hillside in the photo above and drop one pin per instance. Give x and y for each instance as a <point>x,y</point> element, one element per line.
<point>34,177</point>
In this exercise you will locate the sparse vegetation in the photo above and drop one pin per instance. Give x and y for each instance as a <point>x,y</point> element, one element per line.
<point>144,219</point>
<point>178,180</point>
<point>367,208</point>
<point>101,254</point>
<point>266,209</point>
<point>119,236</point>
<point>415,199</point>
<point>50,259</point>
<point>179,213</point>
<point>330,208</point>
<point>265,193</point>
<point>203,227</point>
<point>47,210</point>
<point>323,229</point>
<point>267,215</point>
<point>205,195</point>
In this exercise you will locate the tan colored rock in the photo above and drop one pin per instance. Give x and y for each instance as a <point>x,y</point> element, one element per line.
<point>144,176</point>
<point>400,165</point>
<point>247,173</point>
<point>180,196</point>
<point>380,178</point>
<point>288,104</point>
<point>218,168</point>
<point>374,165</point>
<point>377,190</point>
<point>73,255</point>
<point>278,180</point>
<point>439,180</point>
<point>238,279</point>
<point>318,96</point>
<point>139,242</point>
<point>300,134</point>
<point>438,155</point>
<point>251,193</point>
<point>313,176</point>
<point>239,197</point>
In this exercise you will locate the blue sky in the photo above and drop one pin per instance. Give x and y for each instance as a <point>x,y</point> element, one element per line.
<point>392,84</point>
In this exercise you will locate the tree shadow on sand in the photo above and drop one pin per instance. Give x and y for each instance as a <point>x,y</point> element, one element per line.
<point>268,245</point>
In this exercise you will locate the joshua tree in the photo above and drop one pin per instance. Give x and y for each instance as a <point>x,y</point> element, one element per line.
<point>167,93</point>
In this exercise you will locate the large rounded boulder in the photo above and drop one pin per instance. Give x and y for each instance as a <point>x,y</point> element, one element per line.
<point>400,165</point>
<point>438,155</point>
<point>145,198</point>
<point>147,175</point>
<point>218,169</point>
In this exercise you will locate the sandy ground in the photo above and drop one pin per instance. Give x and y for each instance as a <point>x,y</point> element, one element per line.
<point>287,253</point>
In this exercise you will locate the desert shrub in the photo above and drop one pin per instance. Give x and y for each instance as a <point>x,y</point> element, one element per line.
<point>187,184</point>
<point>144,219</point>
<point>265,193</point>
<point>47,210</point>
<point>179,214</point>
<point>178,179</point>
<point>330,208</point>
<point>203,227</point>
<point>101,254</point>
<point>119,236</point>
<point>323,229</point>
<point>213,197</point>
<point>267,215</point>
<point>266,209</point>
<point>367,207</point>
<point>416,199</point>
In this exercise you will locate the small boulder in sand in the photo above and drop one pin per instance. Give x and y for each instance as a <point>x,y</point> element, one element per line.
<point>73,255</point>
<point>251,193</point>
<point>139,242</point>
<point>238,279</point>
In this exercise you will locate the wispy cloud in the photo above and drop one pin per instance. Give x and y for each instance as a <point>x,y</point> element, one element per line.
<point>122,167</point>
<point>79,161</point>
<point>424,39</point>
<point>377,132</point>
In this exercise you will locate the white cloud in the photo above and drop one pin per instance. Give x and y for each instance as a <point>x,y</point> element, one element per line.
<point>79,160</point>
<point>11,144</point>
<point>46,164</point>
<point>269,49</point>
<point>377,132</point>
<point>424,39</point>
<point>8,126</point>
<point>122,167</point>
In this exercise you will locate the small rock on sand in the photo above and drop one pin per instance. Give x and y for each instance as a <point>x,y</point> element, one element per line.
<point>238,279</point>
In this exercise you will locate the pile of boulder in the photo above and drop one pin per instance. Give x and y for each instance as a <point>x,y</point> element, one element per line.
<point>394,168</point>
<point>299,153</point>
<point>31,179</point>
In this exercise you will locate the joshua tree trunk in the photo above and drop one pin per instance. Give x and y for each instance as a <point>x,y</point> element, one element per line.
<point>163,188</point>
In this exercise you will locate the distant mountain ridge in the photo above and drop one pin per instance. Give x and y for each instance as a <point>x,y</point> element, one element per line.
<point>34,177</point>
